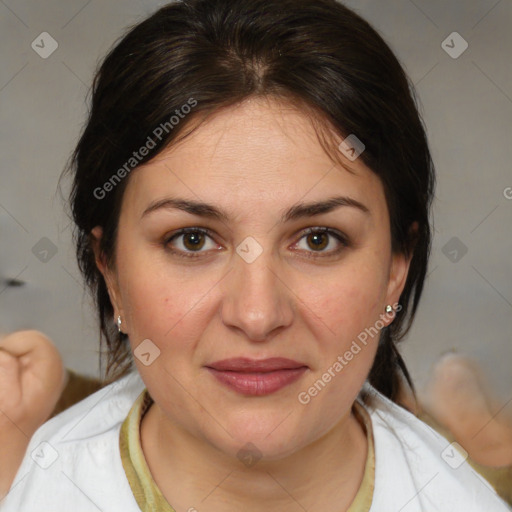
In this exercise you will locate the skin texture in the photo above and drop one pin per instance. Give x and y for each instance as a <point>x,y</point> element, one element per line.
<point>254,160</point>
<point>32,378</point>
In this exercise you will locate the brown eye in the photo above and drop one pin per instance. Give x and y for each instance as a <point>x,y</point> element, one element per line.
<point>192,241</point>
<point>318,239</point>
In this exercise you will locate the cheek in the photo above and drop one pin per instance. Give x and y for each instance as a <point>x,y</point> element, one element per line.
<point>346,341</point>
<point>174,322</point>
<point>158,310</point>
<point>349,301</point>
<point>169,307</point>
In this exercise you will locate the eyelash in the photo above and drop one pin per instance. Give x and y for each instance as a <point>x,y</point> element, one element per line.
<point>197,254</point>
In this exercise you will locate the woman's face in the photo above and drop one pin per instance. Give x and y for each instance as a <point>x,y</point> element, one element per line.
<point>257,285</point>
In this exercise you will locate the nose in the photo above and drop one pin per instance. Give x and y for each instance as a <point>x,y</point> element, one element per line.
<point>256,298</point>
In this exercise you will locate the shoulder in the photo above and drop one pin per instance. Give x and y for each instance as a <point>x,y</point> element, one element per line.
<point>74,457</point>
<point>416,469</point>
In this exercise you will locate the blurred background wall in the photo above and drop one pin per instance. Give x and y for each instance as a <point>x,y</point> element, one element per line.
<point>457,53</point>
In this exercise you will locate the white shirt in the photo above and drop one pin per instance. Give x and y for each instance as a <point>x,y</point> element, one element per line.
<point>73,462</point>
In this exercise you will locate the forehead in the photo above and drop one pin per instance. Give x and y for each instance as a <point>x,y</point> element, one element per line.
<point>257,153</point>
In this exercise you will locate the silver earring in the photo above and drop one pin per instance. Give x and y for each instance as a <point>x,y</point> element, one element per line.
<point>119,323</point>
<point>389,308</point>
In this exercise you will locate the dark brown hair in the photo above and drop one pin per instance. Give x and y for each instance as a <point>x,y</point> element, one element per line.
<point>316,54</point>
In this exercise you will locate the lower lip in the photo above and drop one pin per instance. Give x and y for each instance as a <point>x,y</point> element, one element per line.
<point>258,383</point>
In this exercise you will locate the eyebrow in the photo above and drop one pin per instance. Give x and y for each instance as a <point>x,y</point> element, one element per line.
<point>295,212</point>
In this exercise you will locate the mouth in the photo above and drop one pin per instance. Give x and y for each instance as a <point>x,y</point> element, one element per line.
<point>253,377</point>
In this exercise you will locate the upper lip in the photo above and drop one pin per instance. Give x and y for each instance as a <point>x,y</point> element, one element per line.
<point>244,364</point>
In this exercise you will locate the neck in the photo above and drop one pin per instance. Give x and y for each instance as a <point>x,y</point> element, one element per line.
<point>190,472</point>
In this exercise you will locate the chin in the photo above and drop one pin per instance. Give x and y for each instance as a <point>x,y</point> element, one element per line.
<point>257,438</point>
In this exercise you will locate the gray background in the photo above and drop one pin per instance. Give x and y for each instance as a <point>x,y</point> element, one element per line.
<point>466,103</point>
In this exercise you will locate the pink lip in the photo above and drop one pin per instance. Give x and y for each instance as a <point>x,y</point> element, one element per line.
<point>257,377</point>
<point>244,364</point>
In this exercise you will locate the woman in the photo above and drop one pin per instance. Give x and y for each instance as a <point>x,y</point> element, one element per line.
<point>251,196</point>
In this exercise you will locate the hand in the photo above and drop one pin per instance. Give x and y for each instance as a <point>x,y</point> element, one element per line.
<point>32,378</point>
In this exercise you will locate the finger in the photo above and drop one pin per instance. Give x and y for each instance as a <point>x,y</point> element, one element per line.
<point>40,364</point>
<point>22,343</point>
<point>10,382</point>
<point>9,367</point>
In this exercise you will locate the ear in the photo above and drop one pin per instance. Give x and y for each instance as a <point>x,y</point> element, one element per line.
<point>399,270</point>
<point>109,275</point>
